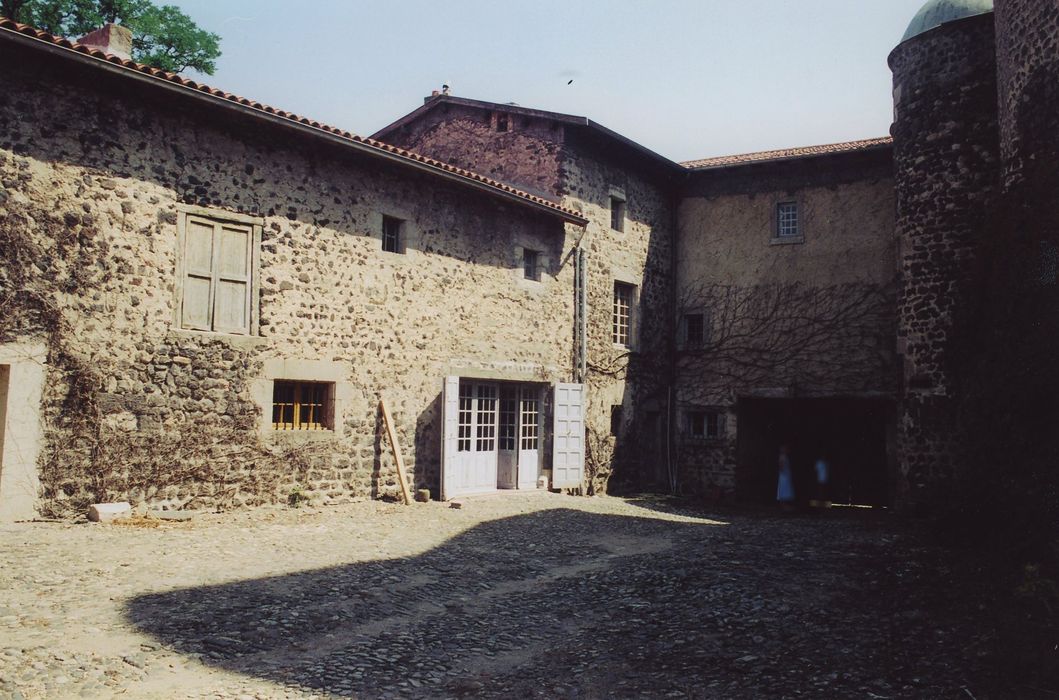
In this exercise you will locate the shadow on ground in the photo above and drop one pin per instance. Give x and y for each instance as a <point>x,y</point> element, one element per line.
<point>564,603</point>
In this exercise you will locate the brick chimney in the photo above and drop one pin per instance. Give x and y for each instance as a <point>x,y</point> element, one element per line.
<point>110,38</point>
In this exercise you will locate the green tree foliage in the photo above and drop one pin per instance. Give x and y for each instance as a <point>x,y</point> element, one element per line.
<point>163,36</point>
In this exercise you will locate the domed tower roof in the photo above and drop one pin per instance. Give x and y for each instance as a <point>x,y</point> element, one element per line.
<point>938,12</point>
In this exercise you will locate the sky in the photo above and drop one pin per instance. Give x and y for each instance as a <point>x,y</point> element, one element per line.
<point>686,78</point>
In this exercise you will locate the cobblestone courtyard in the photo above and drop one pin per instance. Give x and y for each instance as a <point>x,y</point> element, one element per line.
<point>535,595</point>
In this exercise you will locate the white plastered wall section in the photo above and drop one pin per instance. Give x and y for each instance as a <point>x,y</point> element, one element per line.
<point>21,434</point>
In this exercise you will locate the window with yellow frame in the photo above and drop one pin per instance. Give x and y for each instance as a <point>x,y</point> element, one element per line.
<point>302,405</point>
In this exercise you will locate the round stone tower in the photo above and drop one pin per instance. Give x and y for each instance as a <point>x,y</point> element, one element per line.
<point>946,170</point>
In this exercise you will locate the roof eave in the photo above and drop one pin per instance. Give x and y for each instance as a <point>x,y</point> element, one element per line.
<point>783,159</point>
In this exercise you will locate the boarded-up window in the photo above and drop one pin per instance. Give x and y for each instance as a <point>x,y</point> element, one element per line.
<point>218,271</point>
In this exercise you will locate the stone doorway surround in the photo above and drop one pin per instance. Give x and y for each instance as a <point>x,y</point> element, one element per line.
<point>22,371</point>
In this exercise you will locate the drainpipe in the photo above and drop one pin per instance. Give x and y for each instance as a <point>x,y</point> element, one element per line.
<point>581,314</point>
<point>672,460</point>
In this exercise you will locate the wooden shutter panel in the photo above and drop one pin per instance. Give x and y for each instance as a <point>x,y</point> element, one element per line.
<point>231,311</point>
<point>197,303</point>
<point>450,412</point>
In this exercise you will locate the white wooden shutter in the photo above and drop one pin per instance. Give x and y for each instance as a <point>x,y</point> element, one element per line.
<point>198,252</point>
<point>231,312</point>
<point>568,438</point>
<point>450,416</point>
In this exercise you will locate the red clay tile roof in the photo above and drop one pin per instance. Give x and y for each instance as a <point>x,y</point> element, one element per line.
<point>10,26</point>
<point>787,153</point>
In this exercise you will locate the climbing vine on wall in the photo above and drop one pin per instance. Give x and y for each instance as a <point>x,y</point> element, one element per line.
<point>806,338</point>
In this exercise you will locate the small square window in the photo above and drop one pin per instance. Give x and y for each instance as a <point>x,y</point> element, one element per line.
<point>392,234</point>
<point>623,296</point>
<point>617,213</point>
<point>787,223</point>
<point>531,265</point>
<point>302,405</point>
<point>694,330</point>
<point>502,123</point>
<point>615,420</point>
<point>704,425</point>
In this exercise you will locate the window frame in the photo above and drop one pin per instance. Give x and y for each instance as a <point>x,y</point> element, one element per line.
<point>399,236</point>
<point>778,218</point>
<point>217,217</point>
<point>618,212</point>
<point>533,275</point>
<point>691,417</point>
<point>629,320</point>
<point>685,328</point>
<point>298,386</point>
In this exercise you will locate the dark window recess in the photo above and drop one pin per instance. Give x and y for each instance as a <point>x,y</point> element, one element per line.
<point>615,419</point>
<point>531,260</point>
<point>705,424</point>
<point>302,405</point>
<point>392,228</point>
<point>502,123</point>
<point>694,330</point>
<point>617,214</point>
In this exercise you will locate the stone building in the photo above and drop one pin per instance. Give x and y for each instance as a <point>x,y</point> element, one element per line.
<point>205,298</point>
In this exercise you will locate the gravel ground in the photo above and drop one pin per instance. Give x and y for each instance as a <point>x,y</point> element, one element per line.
<point>523,595</point>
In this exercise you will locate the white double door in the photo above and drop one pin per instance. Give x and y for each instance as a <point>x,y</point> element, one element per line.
<point>498,435</point>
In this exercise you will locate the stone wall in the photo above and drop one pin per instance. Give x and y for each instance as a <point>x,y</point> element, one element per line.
<point>946,167</point>
<point>97,171</point>
<point>583,173</point>
<point>1028,63</point>
<point>528,153</point>
<point>633,380</point>
<point>1012,379</point>
<point>766,300</point>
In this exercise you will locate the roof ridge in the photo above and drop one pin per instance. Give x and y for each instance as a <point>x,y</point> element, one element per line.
<point>9,25</point>
<point>782,153</point>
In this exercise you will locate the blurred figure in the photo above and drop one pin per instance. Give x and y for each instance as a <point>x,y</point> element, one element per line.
<point>821,498</point>
<point>785,484</point>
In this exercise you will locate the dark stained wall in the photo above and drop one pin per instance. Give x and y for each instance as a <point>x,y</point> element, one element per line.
<point>946,169</point>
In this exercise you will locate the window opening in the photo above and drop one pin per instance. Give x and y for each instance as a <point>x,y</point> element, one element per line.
<point>530,421</point>
<point>617,213</point>
<point>302,405</point>
<point>466,418</point>
<point>622,311</point>
<point>502,123</point>
<point>787,220</point>
<point>531,265</point>
<point>508,418</point>
<point>705,424</point>
<point>486,418</point>
<point>694,329</point>
<point>391,235</point>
